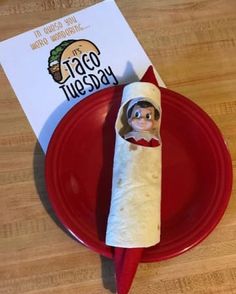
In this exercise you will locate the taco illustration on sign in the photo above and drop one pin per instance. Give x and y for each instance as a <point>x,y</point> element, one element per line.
<point>65,52</point>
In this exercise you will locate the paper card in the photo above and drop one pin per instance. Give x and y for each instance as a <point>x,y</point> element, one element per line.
<point>56,65</point>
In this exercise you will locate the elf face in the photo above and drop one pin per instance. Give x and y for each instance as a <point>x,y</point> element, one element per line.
<point>142,119</point>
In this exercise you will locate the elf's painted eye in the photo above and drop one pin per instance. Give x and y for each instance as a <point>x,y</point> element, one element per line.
<point>137,114</point>
<point>148,116</point>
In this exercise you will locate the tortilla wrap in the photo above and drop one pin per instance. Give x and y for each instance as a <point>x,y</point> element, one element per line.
<point>134,217</point>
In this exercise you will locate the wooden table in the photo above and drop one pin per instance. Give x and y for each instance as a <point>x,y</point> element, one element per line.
<point>193,46</point>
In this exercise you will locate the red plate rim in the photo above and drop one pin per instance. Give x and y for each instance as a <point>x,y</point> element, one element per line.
<point>223,189</point>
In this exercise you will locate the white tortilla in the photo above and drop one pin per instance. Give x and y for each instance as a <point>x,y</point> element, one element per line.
<point>134,217</point>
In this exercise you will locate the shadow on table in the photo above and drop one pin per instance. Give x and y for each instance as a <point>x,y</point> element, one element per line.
<point>108,274</point>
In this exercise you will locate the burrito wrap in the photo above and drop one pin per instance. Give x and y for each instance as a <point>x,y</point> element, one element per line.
<point>134,217</point>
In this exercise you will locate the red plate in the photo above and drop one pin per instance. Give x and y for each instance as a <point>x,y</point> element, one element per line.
<point>196,179</point>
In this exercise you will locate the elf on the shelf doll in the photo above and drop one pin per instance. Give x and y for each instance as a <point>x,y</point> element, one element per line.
<point>143,119</point>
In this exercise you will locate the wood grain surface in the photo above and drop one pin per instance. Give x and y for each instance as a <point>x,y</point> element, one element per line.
<point>192,43</point>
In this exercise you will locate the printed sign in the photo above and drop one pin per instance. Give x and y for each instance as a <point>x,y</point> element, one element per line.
<point>56,65</point>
